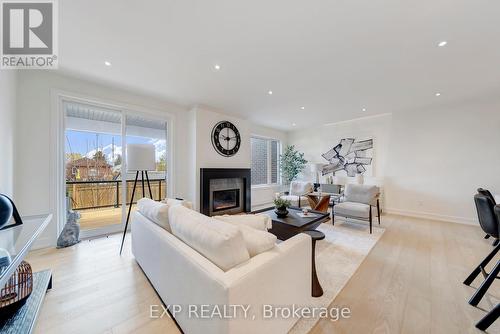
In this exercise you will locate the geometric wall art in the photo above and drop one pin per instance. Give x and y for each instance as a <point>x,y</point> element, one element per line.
<point>349,155</point>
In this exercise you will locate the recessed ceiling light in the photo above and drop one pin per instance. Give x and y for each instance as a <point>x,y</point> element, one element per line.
<point>438,94</point>
<point>364,109</point>
<point>302,108</point>
<point>270,92</point>
<point>216,67</point>
<point>442,43</point>
<point>107,63</point>
<point>293,124</point>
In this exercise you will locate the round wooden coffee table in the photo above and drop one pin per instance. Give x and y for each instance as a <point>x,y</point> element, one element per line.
<point>316,289</point>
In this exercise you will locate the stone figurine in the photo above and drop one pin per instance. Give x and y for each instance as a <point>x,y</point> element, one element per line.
<point>70,234</point>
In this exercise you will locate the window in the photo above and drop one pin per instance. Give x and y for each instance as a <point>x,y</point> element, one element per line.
<point>265,161</point>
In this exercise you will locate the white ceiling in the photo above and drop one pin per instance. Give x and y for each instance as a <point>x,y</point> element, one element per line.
<point>334,57</point>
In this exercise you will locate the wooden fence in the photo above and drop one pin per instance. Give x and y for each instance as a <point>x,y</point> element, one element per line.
<point>102,194</point>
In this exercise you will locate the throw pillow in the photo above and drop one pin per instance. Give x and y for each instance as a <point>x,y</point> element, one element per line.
<point>257,241</point>
<point>219,242</point>
<point>157,212</point>
<point>175,201</point>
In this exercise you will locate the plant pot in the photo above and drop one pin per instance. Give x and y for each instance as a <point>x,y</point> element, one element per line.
<point>281,212</point>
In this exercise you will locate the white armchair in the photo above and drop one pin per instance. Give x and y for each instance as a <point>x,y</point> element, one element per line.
<point>358,202</point>
<point>298,190</point>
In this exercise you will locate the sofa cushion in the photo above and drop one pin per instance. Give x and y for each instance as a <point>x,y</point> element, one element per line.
<point>257,241</point>
<point>157,212</point>
<point>174,201</point>
<point>360,193</point>
<point>254,229</point>
<point>352,209</point>
<point>259,222</point>
<point>218,241</point>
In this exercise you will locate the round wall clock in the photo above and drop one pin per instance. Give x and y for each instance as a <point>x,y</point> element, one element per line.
<point>226,138</point>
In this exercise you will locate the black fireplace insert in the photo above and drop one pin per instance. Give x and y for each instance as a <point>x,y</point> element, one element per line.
<point>225,199</point>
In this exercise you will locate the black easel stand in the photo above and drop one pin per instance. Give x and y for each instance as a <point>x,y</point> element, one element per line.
<point>132,200</point>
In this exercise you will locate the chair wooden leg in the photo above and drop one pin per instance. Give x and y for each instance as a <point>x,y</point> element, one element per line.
<point>378,211</point>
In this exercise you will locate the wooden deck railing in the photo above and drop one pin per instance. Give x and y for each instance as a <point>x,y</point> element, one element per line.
<point>103,194</point>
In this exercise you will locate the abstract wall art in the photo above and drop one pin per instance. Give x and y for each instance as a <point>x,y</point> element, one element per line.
<point>350,156</point>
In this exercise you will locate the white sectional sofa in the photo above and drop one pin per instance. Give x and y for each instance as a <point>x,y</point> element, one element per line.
<point>182,276</point>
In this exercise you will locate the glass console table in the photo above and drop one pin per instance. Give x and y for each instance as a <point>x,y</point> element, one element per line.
<point>15,243</point>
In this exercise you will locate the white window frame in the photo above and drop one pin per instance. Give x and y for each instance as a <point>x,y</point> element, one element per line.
<point>58,170</point>
<point>269,162</point>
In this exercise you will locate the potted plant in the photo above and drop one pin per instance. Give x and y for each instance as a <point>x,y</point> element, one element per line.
<point>281,207</point>
<point>292,162</point>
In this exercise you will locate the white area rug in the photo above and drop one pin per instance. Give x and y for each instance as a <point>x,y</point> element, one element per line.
<point>338,257</point>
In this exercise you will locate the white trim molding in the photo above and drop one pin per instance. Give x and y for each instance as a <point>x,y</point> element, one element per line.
<point>432,216</point>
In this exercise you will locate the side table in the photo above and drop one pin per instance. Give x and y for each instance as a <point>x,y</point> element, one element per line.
<point>319,201</point>
<point>316,289</point>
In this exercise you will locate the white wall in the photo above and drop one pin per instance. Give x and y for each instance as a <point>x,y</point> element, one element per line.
<point>206,156</point>
<point>8,88</point>
<point>429,162</point>
<point>314,142</point>
<point>440,156</point>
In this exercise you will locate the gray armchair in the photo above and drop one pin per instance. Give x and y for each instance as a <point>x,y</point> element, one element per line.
<point>298,192</point>
<point>358,202</point>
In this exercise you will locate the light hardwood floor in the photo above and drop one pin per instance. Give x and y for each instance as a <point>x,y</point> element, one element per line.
<point>409,283</point>
<point>97,218</point>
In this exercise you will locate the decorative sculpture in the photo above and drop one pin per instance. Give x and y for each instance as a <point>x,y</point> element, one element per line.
<point>349,155</point>
<point>70,234</point>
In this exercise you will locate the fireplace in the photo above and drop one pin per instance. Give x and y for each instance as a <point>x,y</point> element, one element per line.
<point>224,191</point>
<point>225,199</point>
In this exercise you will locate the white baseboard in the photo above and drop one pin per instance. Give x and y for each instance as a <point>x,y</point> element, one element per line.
<point>262,205</point>
<point>433,216</point>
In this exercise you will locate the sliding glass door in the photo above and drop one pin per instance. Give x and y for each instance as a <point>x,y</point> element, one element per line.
<point>93,153</point>
<point>97,182</point>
